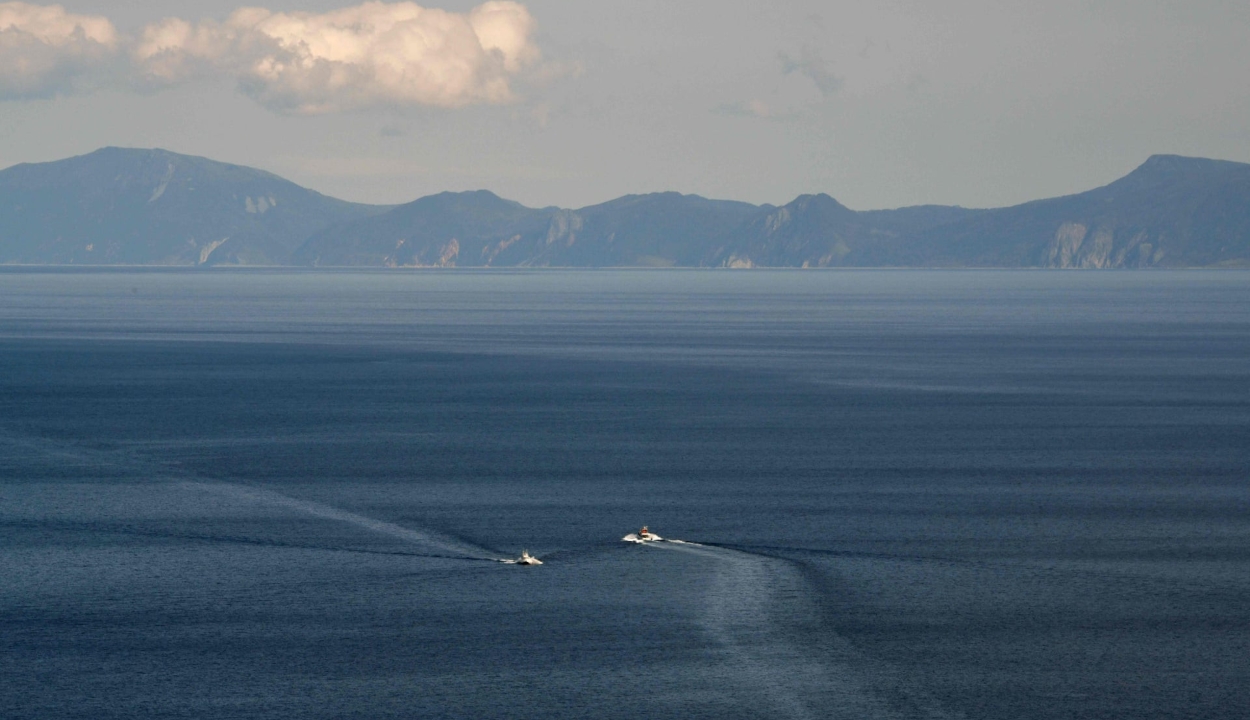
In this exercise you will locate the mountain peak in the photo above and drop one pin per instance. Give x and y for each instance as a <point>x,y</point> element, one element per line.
<point>114,152</point>
<point>1165,160</point>
<point>1173,164</point>
<point>819,203</point>
<point>1167,170</point>
<point>465,201</point>
<point>817,200</point>
<point>152,206</point>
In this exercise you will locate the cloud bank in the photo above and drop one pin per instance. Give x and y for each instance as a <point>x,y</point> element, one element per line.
<point>370,55</point>
<point>44,50</point>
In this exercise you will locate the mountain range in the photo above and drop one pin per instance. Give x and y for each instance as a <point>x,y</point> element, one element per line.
<point>121,206</point>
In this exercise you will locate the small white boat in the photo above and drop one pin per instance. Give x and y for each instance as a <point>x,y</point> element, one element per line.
<point>527,559</point>
<point>642,536</point>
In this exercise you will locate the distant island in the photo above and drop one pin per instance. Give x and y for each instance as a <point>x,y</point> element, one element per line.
<point>120,206</point>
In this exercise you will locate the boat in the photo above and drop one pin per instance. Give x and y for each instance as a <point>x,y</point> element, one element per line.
<point>527,559</point>
<point>642,536</point>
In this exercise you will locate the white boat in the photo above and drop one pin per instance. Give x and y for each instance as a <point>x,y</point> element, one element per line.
<point>527,559</point>
<point>642,536</point>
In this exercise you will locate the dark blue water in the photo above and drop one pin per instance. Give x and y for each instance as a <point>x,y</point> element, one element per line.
<point>917,495</point>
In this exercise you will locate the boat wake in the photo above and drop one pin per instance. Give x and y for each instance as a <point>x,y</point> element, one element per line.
<point>140,468</point>
<point>758,612</point>
<point>646,537</point>
<point>427,539</point>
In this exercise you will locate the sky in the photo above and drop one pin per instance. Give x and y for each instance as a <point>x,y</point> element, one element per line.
<point>574,102</point>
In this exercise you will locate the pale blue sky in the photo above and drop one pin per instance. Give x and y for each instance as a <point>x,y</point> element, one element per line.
<point>880,104</point>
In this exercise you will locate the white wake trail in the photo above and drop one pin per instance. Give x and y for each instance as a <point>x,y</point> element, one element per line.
<point>327,512</point>
<point>749,603</point>
<point>143,467</point>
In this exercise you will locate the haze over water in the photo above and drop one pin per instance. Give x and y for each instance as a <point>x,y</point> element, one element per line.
<point>914,494</point>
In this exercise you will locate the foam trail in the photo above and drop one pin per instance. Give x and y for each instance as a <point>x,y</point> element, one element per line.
<point>137,464</point>
<point>331,513</point>
<point>747,599</point>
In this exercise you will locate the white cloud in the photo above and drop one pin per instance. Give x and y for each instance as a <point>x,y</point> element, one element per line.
<point>374,54</point>
<point>174,50</point>
<point>44,50</point>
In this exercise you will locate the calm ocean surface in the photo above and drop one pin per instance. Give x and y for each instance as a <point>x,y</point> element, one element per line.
<point>264,494</point>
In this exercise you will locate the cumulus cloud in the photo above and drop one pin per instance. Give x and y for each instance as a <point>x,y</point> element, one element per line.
<point>45,50</point>
<point>374,54</point>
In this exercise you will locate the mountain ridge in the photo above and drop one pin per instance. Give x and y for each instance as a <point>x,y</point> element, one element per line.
<point>156,207</point>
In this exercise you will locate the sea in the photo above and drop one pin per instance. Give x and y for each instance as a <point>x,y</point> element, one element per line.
<point>1009,495</point>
